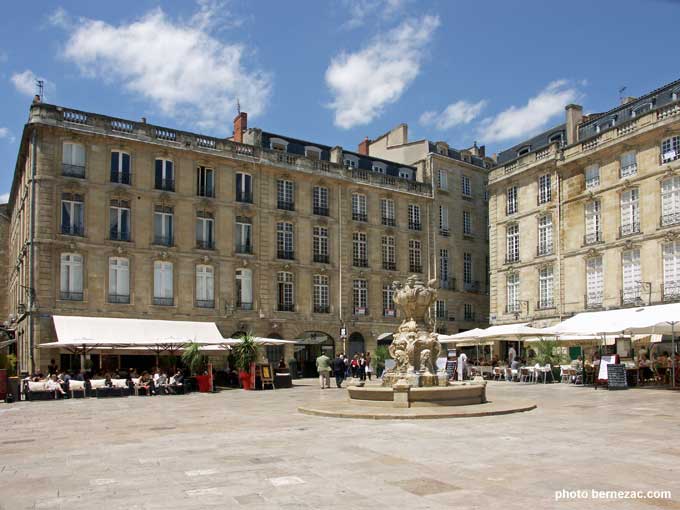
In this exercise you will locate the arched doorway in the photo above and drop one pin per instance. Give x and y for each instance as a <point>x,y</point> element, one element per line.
<point>274,353</point>
<point>309,346</point>
<point>356,344</point>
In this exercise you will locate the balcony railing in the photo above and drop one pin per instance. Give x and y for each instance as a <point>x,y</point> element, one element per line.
<point>629,229</point>
<point>511,257</point>
<point>628,170</point>
<point>119,299</point>
<point>206,192</point>
<point>360,310</point>
<point>285,205</point>
<point>71,296</point>
<point>119,235</point>
<point>321,258</point>
<point>415,268</point>
<point>245,197</point>
<point>320,211</point>
<point>669,156</point>
<point>631,296</point>
<point>205,303</point>
<point>444,232</point>
<point>69,170</point>
<point>360,262</point>
<point>357,216</point>
<point>467,234</point>
<point>162,240</point>
<point>592,238</point>
<point>414,225</point>
<point>448,283</point>
<point>470,317</point>
<point>322,309</point>
<point>473,286</point>
<point>286,307</point>
<point>544,249</point>
<point>670,291</point>
<point>670,219</point>
<point>163,301</point>
<point>244,305</point>
<point>389,312</point>
<point>165,184</point>
<point>73,230</point>
<point>285,254</point>
<point>205,245</point>
<point>389,266</point>
<point>388,222</point>
<point>245,248</point>
<point>513,308</point>
<point>120,178</point>
<point>594,300</point>
<point>545,304</point>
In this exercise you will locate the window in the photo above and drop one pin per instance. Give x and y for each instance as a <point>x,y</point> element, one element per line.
<point>671,271</point>
<point>467,223</point>
<point>72,214</point>
<point>444,221</point>
<point>360,296</point>
<point>556,138</point>
<point>163,283</point>
<point>351,161</point>
<point>465,186</point>
<point>244,188</point>
<point>670,201</point>
<point>602,126</point>
<point>205,286</point>
<point>285,295</point>
<point>628,164</point>
<point>320,200</point>
<point>119,220</point>
<point>512,287</point>
<point>445,281</point>
<point>594,282</point>
<point>592,176</point>
<point>593,222</point>
<point>120,167</point>
<point>381,168</point>
<point>119,280</point>
<point>244,235</point>
<point>440,309</point>
<point>244,289</point>
<point>285,194</point>
<point>321,294</point>
<point>205,228</point>
<point>636,112</point>
<point>388,301</point>
<point>545,287</point>
<point>414,256</point>
<point>512,241</point>
<point>524,150</point>
<point>205,182</point>
<point>284,241</point>
<point>320,244</point>
<point>71,277</point>
<point>545,235</point>
<point>544,189</point>
<point>670,149</point>
<point>630,212</point>
<point>467,270</point>
<point>388,253</point>
<point>413,217</point>
<point>165,175</point>
<point>387,212</point>
<point>405,174</point>
<point>359,250</point>
<point>468,312</point>
<point>278,144</point>
<point>313,152</point>
<point>73,160</point>
<point>442,179</point>
<point>162,225</point>
<point>359,211</point>
<point>511,200</point>
<point>631,276</point>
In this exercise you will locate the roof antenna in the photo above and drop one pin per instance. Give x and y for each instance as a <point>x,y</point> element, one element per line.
<point>238,107</point>
<point>40,85</point>
<point>621,91</point>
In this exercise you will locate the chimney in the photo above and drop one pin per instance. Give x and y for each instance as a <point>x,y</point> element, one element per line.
<point>481,151</point>
<point>629,99</point>
<point>574,117</point>
<point>36,99</point>
<point>363,146</point>
<point>240,125</point>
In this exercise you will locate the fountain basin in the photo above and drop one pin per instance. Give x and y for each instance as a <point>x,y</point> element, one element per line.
<point>456,394</point>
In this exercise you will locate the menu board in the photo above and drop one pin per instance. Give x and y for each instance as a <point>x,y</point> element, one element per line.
<point>604,361</point>
<point>616,375</point>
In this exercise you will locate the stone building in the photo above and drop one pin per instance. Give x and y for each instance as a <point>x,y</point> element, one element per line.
<point>262,233</point>
<point>460,236</point>
<point>586,215</point>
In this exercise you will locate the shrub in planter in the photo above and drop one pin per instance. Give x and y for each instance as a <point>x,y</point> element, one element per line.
<point>246,353</point>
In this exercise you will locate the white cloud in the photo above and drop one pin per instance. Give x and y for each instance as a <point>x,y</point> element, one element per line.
<point>4,198</point>
<point>516,122</point>
<point>360,10</point>
<point>25,83</point>
<point>176,64</point>
<point>60,18</point>
<point>6,134</point>
<point>460,112</point>
<point>364,82</point>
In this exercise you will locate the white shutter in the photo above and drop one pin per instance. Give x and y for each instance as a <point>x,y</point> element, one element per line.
<point>671,264</point>
<point>167,280</point>
<point>594,280</point>
<point>592,218</point>
<point>64,274</point>
<point>631,270</point>
<point>246,286</point>
<point>76,283</point>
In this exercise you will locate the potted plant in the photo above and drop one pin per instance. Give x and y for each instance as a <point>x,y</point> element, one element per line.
<point>380,355</point>
<point>196,362</point>
<point>246,353</point>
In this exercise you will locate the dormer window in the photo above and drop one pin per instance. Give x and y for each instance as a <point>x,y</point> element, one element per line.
<point>351,161</point>
<point>675,95</point>
<point>379,167</point>
<point>312,152</point>
<point>524,150</point>
<point>602,126</point>
<point>636,112</point>
<point>278,144</point>
<point>556,138</point>
<point>405,173</point>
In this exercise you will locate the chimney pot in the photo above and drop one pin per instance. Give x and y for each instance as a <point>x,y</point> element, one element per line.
<point>240,125</point>
<point>363,146</point>
<point>36,99</point>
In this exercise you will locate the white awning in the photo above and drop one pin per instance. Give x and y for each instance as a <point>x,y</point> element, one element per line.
<point>76,331</point>
<point>260,341</point>
<point>463,335</point>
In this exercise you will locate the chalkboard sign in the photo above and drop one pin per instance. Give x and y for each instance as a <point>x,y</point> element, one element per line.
<point>616,375</point>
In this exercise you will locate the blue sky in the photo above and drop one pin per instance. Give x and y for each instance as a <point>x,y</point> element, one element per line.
<point>333,72</point>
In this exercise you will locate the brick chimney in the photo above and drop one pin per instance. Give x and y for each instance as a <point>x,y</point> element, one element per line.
<point>363,146</point>
<point>240,125</point>
<point>574,118</point>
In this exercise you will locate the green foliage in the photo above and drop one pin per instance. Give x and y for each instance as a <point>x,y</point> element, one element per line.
<point>381,353</point>
<point>8,362</point>
<point>245,352</point>
<point>193,358</point>
<point>548,351</point>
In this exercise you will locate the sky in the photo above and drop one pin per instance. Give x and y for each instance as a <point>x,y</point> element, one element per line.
<point>334,72</point>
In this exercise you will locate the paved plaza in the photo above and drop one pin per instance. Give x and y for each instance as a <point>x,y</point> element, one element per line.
<point>238,449</point>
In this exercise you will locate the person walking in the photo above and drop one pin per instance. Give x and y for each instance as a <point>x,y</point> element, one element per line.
<point>339,369</point>
<point>323,366</point>
<point>354,365</point>
<point>362,367</point>
<point>512,354</point>
<point>369,366</point>
<point>462,366</point>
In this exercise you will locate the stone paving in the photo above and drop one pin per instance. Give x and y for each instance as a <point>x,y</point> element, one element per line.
<point>240,449</point>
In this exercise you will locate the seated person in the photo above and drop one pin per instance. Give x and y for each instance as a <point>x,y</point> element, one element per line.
<point>161,383</point>
<point>577,363</point>
<point>146,382</point>
<point>282,364</point>
<point>107,381</point>
<point>54,384</point>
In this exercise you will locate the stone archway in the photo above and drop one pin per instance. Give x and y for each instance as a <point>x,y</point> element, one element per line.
<point>309,346</point>
<point>275,353</point>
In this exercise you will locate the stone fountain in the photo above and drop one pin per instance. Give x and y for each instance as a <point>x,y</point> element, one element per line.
<point>414,380</point>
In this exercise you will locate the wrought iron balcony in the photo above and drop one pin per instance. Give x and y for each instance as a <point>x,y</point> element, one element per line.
<point>360,310</point>
<point>669,219</point>
<point>389,266</point>
<point>244,305</point>
<point>544,249</point>
<point>388,222</point>
<point>472,286</point>
<point>592,238</point>
<point>632,296</point>
<point>285,254</point>
<point>205,303</point>
<point>414,225</point>
<point>71,296</point>
<point>163,301</point>
<point>320,211</point>
<point>285,205</point>
<point>73,230</point>
<point>448,283</point>
<point>119,299</point>
<point>670,291</point>
<point>69,170</point>
<point>120,178</point>
<point>286,307</point>
<point>119,235</point>
<point>244,248</point>
<point>245,197</point>
<point>545,304</point>
<point>165,184</point>
<point>389,312</point>
<point>206,192</point>
<point>360,262</point>
<point>444,232</point>
<point>205,245</point>
<point>415,268</point>
<point>511,258</point>
<point>321,258</point>
<point>162,240</point>
<point>593,300</point>
<point>356,216</point>
<point>322,309</point>
<point>629,229</point>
